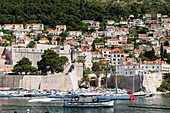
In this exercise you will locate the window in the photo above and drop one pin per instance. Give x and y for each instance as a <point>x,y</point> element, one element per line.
<point>113,59</point>
<point>108,55</point>
<point>118,55</point>
<point>105,55</point>
<point>146,67</point>
<point>130,72</point>
<point>104,51</point>
<point>122,55</point>
<point>157,66</point>
<point>152,67</point>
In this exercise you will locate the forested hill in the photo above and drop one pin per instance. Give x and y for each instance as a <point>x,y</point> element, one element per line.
<point>71,12</point>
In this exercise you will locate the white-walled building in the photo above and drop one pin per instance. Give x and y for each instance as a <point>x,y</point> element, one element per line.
<point>110,22</point>
<point>13,27</point>
<point>75,33</point>
<point>112,41</point>
<point>34,27</point>
<point>74,43</point>
<point>61,27</point>
<point>116,55</point>
<point>155,66</point>
<point>167,48</point>
<point>54,32</point>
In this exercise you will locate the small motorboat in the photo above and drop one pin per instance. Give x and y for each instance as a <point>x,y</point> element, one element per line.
<point>93,104</point>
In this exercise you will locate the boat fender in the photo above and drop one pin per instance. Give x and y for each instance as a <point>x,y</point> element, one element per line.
<point>76,98</point>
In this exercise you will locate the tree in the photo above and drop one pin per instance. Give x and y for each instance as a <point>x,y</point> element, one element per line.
<point>64,34</point>
<point>24,65</point>
<point>51,62</point>
<point>31,44</point>
<point>151,55</point>
<point>166,43</point>
<point>162,54</point>
<point>96,69</point>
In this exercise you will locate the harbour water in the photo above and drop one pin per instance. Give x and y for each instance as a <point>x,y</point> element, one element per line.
<point>21,105</point>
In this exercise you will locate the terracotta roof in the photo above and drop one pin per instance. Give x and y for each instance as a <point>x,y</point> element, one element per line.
<point>60,25</point>
<point>103,61</point>
<point>43,39</point>
<point>163,39</point>
<point>157,33</point>
<point>54,31</point>
<point>87,50</point>
<point>71,42</point>
<point>111,20</point>
<point>94,32</point>
<point>95,53</point>
<point>136,50</point>
<point>117,50</point>
<point>127,45</point>
<point>3,40</point>
<point>142,35</point>
<point>154,62</point>
<point>154,40</point>
<point>99,43</point>
<point>113,39</point>
<point>93,26</point>
<point>129,63</point>
<point>166,23</point>
<point>7,69</point>
<point>168,47</point>
<point>122,35</point>
<point>105,49</point>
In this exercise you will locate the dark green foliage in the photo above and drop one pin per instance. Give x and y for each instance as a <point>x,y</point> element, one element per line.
<point>31,44</point>
<point>97,40</point>
<point>166,43</point>
<point>51,62</point>
<point>165,86</point>
<point>24,65</point>
<point>151,55</point>
<point>64,35</point>
<point>71,12</point>
<point>162,54</point>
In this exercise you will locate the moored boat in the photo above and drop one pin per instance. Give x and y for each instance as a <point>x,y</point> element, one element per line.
<point>93,104</point>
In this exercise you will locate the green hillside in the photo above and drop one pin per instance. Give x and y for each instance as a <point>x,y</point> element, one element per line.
<point>71,12</point>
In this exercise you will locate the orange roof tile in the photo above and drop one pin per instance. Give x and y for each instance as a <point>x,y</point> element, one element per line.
<point>71,42</point>
<point>43,39</point>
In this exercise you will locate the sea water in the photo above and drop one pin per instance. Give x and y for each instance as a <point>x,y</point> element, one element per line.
<point>21,105</point>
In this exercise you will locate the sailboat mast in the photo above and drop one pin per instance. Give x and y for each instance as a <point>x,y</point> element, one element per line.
<point>115,73</point>
<point>133,76</point>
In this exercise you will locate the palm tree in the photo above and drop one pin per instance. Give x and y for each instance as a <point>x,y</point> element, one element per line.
<point>97,78</point>
<point>106,66</point>
<point>86,79</point>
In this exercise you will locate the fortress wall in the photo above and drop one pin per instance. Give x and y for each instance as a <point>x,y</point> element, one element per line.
<point>37,82</point>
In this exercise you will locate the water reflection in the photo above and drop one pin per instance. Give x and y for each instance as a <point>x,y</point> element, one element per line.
<point>20,105</point>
